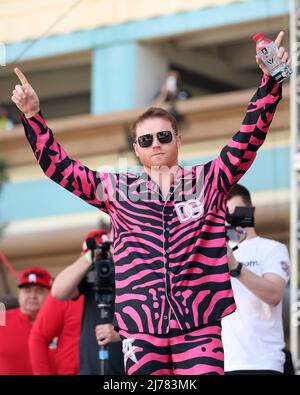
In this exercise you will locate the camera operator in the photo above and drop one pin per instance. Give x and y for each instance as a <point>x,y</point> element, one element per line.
<point>75,280</point>
<point>253,337</point>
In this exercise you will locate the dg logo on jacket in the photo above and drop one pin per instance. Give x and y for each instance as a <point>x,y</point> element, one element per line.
<point>192,209</point>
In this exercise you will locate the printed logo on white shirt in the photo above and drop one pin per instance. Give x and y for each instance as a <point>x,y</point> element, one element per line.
<point>285,267</point>
<point>251,263</point>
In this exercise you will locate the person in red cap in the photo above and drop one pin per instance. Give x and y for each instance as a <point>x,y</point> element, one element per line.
<point>74,281</point>
<point>34,287</point>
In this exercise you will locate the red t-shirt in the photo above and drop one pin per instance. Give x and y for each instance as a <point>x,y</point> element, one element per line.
<point>14,352</point>
<point>57,326</point>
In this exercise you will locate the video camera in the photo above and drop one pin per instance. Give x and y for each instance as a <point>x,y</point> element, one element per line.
<point>241,217</point>
<point>102,276</point>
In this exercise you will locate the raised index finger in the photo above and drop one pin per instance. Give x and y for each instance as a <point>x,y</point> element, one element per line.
<point>21,76</point>
<point>279,39</point>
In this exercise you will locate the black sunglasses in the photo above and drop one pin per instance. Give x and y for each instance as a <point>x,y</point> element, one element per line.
<point>146,140</point>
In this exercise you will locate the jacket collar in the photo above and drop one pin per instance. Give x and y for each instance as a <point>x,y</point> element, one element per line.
<point>183,174</point>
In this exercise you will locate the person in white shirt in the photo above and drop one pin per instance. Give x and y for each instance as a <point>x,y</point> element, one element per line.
<point>253,337</point>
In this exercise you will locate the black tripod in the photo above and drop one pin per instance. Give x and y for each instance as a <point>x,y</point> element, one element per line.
<point>103,279</point>
<point>104,302</point>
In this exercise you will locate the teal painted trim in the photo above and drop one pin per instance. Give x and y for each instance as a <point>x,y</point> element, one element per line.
<point>35,199</point>
<point>113,78</point>
<point>42,198</point>
<point>270,170</point>
<point>173,24</point>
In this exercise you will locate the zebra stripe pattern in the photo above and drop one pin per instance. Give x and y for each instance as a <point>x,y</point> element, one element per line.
<point>194,352</point>
<point>169,253</point>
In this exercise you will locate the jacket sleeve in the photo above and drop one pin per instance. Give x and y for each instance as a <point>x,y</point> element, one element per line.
<point>238,155</point>
<point>89,185</point>
<point>46,328</point>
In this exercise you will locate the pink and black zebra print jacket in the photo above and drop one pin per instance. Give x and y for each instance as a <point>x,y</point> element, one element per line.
<point>170,255</point>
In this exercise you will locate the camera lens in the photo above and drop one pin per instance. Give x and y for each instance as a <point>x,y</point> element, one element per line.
<point>104,269</point>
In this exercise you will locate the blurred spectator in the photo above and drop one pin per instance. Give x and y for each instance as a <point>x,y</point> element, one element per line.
<point>58,327</point>
<point>171,92</point>
<point>6,121</point>
<point>34,287</point>
<point>253,337</point>
<point>78,279</point>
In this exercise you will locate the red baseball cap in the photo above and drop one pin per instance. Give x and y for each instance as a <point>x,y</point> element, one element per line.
<point>97,235</point>
<point>35,275</point>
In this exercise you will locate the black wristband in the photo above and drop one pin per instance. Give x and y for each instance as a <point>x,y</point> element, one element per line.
<point>237,271</point>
